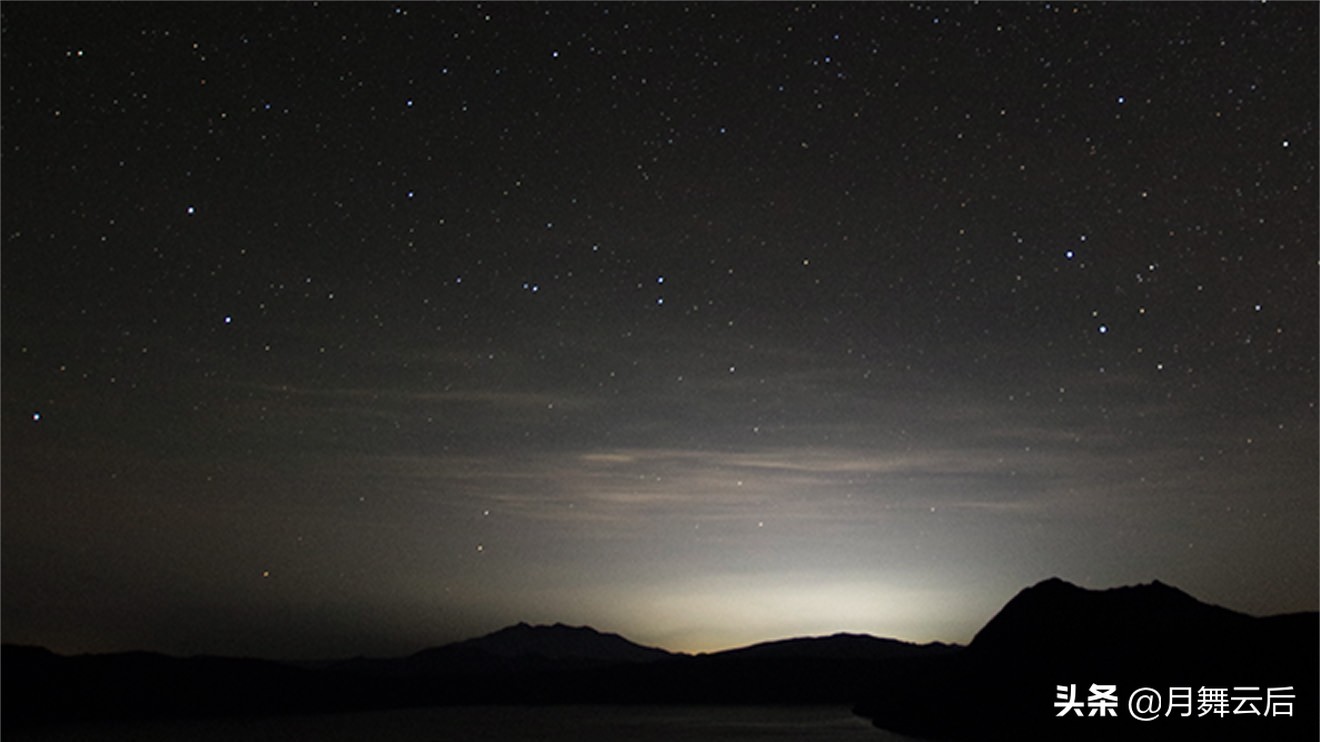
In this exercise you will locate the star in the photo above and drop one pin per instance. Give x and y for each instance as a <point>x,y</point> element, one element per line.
<point>889,314</point>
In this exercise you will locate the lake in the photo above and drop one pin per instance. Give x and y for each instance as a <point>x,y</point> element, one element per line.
<point>500,724</point>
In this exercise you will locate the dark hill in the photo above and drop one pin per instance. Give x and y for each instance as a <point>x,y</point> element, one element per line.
<point>1049,619</point>
<point>41,686</point>
<point>517,649</point>
<point>1004,684</point>
<point>557,642</point>
<point>821,670</point>
<point>520,664</point>
<point>562,664</point>
<point>835,647</point>
<point>1001,686</point>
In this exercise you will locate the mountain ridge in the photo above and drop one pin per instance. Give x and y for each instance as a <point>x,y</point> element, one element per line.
<point>1001,685</point>
<point>502,641</point>
<point>1054,634</point>
<point>841,645</point>
<point>556,642</point>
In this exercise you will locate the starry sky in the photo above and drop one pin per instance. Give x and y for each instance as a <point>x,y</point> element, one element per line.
<point>359,328</point>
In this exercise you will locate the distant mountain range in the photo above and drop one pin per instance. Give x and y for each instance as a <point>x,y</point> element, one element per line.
<point>1002,685</point>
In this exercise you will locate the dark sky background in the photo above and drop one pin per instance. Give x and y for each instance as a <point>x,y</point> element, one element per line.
<point>351,329</point>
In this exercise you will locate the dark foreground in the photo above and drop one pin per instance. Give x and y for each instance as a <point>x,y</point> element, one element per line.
<point>1046,647</point>
<point>497,724</point>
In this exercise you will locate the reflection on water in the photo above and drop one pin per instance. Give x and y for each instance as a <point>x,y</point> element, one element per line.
<point>501,724</point>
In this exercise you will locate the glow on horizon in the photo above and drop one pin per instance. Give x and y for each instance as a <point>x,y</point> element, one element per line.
<point>711,614</point>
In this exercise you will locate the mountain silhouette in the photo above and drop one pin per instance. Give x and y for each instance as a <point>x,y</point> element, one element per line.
<point>520,664</point>
<point>557,642</point>
<point>514,650</point>
<point>563,664</point>
<point>1005,683</point>
<point>1047,620</point>
<point>836,647</point>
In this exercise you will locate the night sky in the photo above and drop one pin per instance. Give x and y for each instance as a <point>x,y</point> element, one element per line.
<point>356,329</point>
